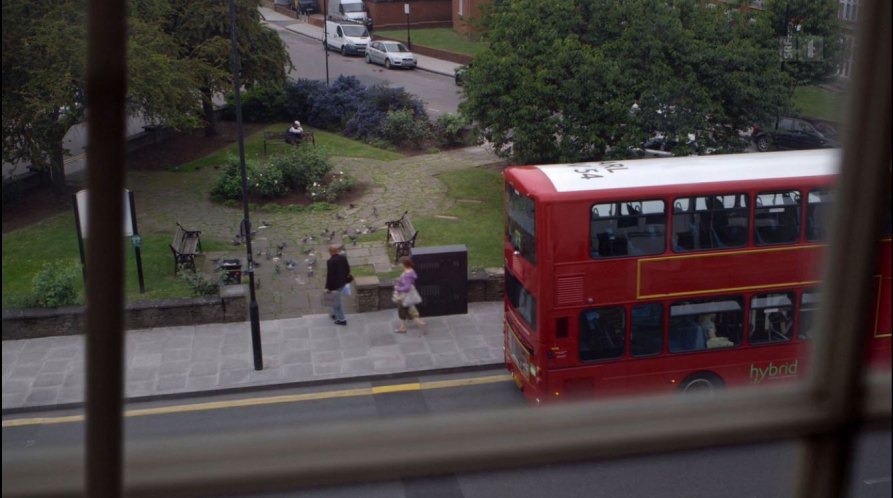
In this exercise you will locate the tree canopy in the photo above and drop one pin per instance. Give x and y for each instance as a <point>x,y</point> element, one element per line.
<point>44,61</point>
<point>812,32</point>
<point>571,80</point>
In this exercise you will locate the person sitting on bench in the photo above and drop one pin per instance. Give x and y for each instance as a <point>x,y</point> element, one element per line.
<point>295,132</point>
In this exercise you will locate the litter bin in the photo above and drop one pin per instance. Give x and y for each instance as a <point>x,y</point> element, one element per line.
<point>232,271</point>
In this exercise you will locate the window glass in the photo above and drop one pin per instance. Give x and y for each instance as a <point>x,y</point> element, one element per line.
<point>602,333</point>
<point>809,303</point>
<point>647,329</point>
<point>709,222</point>
<point>707,324</point>
<point>771,318</point>
<point>777,217</point>
<point>522,301</point>
<point>629,228</point>
<point>520,225</point>
<point>818,205</point>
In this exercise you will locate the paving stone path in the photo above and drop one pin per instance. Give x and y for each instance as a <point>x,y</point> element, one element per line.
<point>391,187</point>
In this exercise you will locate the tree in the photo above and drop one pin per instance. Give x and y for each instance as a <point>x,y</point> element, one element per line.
<point>44,61</point>
<point>587,79</point>
<point>202,30</point>
<point>813,32</point>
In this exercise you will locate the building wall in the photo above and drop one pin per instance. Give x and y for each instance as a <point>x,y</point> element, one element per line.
<point>464,15</point>
<point>389,14</point>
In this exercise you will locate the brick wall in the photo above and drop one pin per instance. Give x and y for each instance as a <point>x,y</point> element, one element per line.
<point>230,306</point>
<point>422,14</point>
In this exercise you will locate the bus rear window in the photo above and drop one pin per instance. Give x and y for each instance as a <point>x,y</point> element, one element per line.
<point>522,301</point>
<point>818,204</point>
<point>628,228</point>
<point>520,223</point>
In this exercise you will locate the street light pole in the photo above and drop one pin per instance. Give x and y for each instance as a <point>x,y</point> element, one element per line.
<point>325,36</point>
<point>246,222</point>
<point>408,39</point>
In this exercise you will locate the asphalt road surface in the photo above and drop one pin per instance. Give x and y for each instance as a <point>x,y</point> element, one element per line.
<point>746,472</point>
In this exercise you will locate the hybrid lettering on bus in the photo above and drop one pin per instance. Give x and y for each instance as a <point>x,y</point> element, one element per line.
<point>670,274</point>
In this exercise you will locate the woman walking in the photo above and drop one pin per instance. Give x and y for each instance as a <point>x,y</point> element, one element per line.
<point>406,296</point>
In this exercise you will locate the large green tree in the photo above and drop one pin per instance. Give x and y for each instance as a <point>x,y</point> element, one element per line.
<point>571,80</point>
<point>202,30</point>
<point>812,34</point>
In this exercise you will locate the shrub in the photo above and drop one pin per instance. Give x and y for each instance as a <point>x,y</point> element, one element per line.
<point>334,107</point>
<point>302,166</point>
<point>451,130</point>
<point>201,284</point>
<point>55,285</point>
<point>299,97</point>
<point>259,104</point>
<point>263,180</point>
<point>403,128</point>
<point>366,124</point>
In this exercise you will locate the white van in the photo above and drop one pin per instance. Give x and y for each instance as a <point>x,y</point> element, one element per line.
<point>346,37</point>
<point>353,10</point>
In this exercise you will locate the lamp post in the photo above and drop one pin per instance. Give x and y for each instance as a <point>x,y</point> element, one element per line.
<point>246,222</point>
<point>325,36</point>
<point>406,11</point>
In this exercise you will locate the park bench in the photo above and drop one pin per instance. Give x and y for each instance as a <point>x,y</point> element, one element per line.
<point>186,245</point>
<point>282,137</point>
<point>402,234</point>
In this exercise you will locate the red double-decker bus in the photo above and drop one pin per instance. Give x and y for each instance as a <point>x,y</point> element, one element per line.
<point>670,274</point>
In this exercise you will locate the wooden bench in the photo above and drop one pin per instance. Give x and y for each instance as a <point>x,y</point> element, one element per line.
<point>402,234</point>
<point>186,245</point>
<point>282,137</point>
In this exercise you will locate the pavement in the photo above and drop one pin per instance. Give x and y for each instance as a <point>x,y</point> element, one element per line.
<point>300,343</point>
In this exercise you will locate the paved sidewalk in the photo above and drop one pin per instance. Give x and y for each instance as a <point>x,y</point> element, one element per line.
<point>426,63</point>
<point>49,371</point>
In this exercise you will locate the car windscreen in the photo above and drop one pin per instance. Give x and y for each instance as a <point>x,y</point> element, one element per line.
<point>352,7</point>
<point>359,31</point>
<point>395,47</point>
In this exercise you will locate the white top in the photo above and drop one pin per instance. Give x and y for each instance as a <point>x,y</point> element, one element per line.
<point>634,173</point>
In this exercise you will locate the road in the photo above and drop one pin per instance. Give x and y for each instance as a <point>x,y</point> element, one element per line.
<point>439,92</point>
<point>746,472</point>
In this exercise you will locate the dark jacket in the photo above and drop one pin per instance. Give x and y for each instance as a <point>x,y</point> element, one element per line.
<point>337,270</point>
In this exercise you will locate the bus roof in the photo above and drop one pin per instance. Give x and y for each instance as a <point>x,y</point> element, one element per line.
<point>606,175</point>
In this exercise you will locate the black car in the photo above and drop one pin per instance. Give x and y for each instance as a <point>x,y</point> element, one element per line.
<point>790,133</point>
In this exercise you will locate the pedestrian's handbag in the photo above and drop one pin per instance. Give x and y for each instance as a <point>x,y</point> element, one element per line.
<point>328,298</point>
<point>349,278</point>
<point>397,297</point>
<point>412,297</point>
<point>347,290</point>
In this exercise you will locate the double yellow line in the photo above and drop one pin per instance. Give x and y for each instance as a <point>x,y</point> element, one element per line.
<point>272,400</point>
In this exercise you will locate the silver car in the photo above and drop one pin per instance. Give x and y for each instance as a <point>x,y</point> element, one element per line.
<point>390,54</point>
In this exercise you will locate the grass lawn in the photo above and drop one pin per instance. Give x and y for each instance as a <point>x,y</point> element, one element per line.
<point>439,38</point>
<point>479,223</point>
<point>334,144</point>
<point>818,103</point>
<point>25,251</point>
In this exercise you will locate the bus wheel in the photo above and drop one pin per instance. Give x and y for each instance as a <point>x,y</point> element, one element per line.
<point>703,382</point>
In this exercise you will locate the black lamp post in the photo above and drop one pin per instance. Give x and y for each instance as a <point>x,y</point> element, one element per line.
<point>408,39</point>
<point>246,222</point>
<point>325,36</point>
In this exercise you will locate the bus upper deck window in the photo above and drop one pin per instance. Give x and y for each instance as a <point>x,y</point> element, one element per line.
<point>710,222</point>
<point>777,217</point>
<point>627,228</point>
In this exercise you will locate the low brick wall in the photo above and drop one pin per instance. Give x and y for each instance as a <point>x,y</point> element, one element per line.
<point>230,306</point>
<point>375,295</point>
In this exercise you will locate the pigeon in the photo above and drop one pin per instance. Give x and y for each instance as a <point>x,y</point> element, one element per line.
<point>352,205</point>
<point>310,272</point>
<point>277,269</point>
<point>257,283</point>
<point>237,241</point>
<point>374,211</point>
<point>339,216</point>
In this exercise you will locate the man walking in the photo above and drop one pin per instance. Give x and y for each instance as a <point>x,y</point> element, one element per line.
<point>337,276</point>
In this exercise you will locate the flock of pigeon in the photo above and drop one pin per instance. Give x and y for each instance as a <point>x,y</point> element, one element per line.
<point>309,245</point>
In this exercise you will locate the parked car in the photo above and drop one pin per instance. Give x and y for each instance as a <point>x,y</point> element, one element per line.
<point>460,74</point>
<point>347,37</point>
<point>790,133</point>
<point>390,54</point>
<point>661,146</point>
